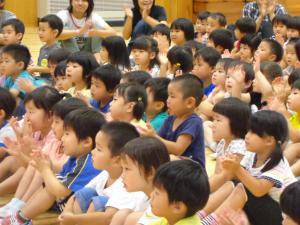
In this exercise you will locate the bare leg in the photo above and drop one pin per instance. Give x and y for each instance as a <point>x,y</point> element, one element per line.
<point>72,206</point>
<point>133,218</point>
<point>25,182</point>
<point>35,185</point>
<point>292,153</point>
<point>91,208</point>
<point>10,185</point>
<point>120,217</point>
<point>8,165</point>
<point>296,168</point>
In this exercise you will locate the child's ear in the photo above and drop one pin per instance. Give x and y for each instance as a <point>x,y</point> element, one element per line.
<point>19,36</point>
<point>248,84</point>
<point>129,107</point>
<point>269,140</point>
<point>116,159</point>
<point>55,31</point>
<point>272,57</point>
<point>20,65</point>
<point>152,55</point>
<point>178,208</point>
<point>220,49</point>
<point>159,105</point>
<point>151,174</point>
<point>87,142</point>
<point>190,102</point>
<point>2,114</point>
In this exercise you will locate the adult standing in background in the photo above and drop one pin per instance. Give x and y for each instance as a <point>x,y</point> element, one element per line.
<point>263,12</point>
<point>142,17</point>
<point>83,29</point>
<point>4,15</point>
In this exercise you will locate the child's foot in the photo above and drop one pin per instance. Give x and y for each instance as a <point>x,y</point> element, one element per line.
<point>15,219</point>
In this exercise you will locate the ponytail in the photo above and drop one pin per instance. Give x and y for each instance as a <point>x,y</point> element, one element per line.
<point>275,157</point>
<point>139,109</point>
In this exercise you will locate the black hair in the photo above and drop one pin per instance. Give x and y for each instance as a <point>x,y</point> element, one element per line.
<point>159,87</point>
<point>191,86</point>
<point>88,63</point>
<point>223,38</point>
<point>117,51</point>
<point>275,48</point>
<point>181,57</point>
<point>58,55</point>
<point>186,26</point>
<point>119,133</point>
<point>19,53</point>
<point>184,181</point>
<point>64,106</point>
<point>163,30</point>
<point>138,76</point>
<point>225,62</point>
<point>60,69</point>
<point>238,114</point>
<point>54,22</point>
<point>294,76</point>
<point>246,25</point>
<point>247,67</point>
<point>7,102</point>
<point>271,70</point>
<point>209,55</point>
<point>281,18</point>
<point>44,97</point>
<point>220,17</point>
<point>109,75</point>
<point>294,23</point>
<point>192,44</point>
<point>85,122</point>
<point>136,93</point>
<point>293,41</point>
<point>290,201</point>
<point>88,11</point>
<point>148,152</point>
<point>296,85</point>
<point>17,25</point>
<point>252,41</point>
<point>203,15</point>
<point>148,44</point>
<point>297,47</point>
<point>270,123</point>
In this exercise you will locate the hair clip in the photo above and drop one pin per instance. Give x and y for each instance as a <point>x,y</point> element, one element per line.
<point>139,99</point>
<point>178,65</point>
<point>279,142</point>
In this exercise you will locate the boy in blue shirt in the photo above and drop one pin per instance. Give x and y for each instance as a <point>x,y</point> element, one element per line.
<point>80,129</point>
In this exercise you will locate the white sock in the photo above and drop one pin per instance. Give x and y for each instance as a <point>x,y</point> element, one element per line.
<point>18,204</point>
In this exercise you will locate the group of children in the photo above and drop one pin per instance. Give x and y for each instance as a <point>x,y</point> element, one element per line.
<point>122,141</point>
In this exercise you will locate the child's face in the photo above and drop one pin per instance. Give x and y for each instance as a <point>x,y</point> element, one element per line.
<point>212,24</point>
<point>177,36</point>
<point>72,145</point>
<point>46,33</point>
<point>118,107</point>
<point>153,107</point>
<point>235,79</point>
<point>245,53</point>
<point>62,83</point>
<point>74,72</point>
<point>219,75</point>
<point>10,66</point>
<point>294,100</point>
<point>264,52</point>
<point>255,143</point>
<point>202,69</point>
<point>221,128</point>
<point>99,91</point>
<point>280,29</point>
<point>104,56</point>
<point>52,67</point>
<point>133,178</point>
<point>101,155</point>
<point>160,203</point>
<point>36,116</point>
<point>10,36</point>
<point>292,33</point>
<point>162,40</point>
<point>141,57</point>
<point>201,26</point>
<point>290,55</point>
<point>57,127</point>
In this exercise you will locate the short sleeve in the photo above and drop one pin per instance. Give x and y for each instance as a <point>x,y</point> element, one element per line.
<point>275,175</point>
<point>121,200</point>
<point>161,14</point>
<point>191,127</point>
<point>165,127</point>
<point>99,181</point>
<point>63,15</point>
<point>220,148</point>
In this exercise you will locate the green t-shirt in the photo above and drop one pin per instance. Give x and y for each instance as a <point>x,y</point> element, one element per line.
<point>193,220</point>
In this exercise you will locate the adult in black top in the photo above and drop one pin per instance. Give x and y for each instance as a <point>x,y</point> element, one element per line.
<point>142,17</point>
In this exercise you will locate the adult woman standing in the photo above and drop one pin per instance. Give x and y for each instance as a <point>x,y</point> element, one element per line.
<point>142,17</point>
<point>83,29</point>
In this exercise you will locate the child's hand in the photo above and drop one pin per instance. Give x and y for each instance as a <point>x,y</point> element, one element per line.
<point>226,54</point>
<point>83,98</point>
<point>271,7</point>
<point>15,149</point>
<point>231,163</point>
<point>66,218</point>
<point>231,217</point>
<point>31,69</point>
<point>256,63</point>
<point>280,88</point>
<point>163,59</point>
<point>40,160</point>
<point>128,11</point>
<point>26,85</point>
<point>146,11</point>
<point>279,38</point>
<point>148,132</point>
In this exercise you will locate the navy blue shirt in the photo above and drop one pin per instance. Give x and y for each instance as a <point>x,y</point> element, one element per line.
<point>192,126</point>
<point>96,105</point>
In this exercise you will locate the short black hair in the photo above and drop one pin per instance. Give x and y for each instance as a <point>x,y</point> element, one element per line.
<point>163,30</point>
<point>293,41</point>
<point>119,133</point>
<point>148,152</point>
<point>296,85</point>
<point>88,62</point>
<point>186,26</point>
<point>192,44</point>
<point>295,75</point>
<point>225,62</point>
<point>159,87</point>
<point>252,41</point>
<point>60,69</point>
<point>64,106</point>
<point>85,122</point>
<point>290,201</point>
<point>184,181</point>
<point>7,102</point>
<point>220,17</point>
<point>238,114</point>
<point>54,22</point>
<point>246,25</point>
<point>247,67</point>
<point>271,70</point>
<point>294,23</point>
<point>281,18</point>
<point>191,86</point>
<point>203,15</point>
<point>17,25</point>
<point>136,93</point>
<point>182,57</point>
<point>297,47</point>
<point>88,11</point>
<point>138,77</point>
<point>19,53</point>
<point>223,38</point>
<point>209,55</point>
<point>109,75</point>
<point>275,48</point>
<point>57,55</point>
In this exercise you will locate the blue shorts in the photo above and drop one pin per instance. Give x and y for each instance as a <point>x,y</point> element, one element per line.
<point>86,196</point>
